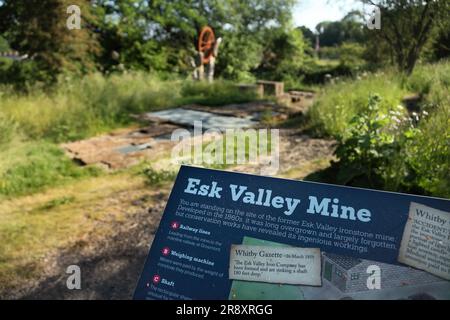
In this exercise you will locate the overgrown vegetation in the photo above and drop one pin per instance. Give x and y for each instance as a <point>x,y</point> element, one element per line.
<point>135,56</point>
<point>383,145</point>
<point>341,101</point>
<point>31,123</point>
<point>215,94</point>
<point>84,107</point>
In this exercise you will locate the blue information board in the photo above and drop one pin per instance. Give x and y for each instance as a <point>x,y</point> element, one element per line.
<point>210,210</point>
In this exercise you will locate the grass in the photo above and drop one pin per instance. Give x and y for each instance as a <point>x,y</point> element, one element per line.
<point>432,82</point>
<point>57,202</point>
<point>27,167</point>
<point>429,153</point>
<point>339,102</point>
<point>307,169</point>
<point>215,94</point>
<point>68,210</point>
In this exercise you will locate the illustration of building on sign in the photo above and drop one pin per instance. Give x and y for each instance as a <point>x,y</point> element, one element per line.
<point>350,274</point>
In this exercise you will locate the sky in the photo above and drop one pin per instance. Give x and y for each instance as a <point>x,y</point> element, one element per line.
<point>310,12</point>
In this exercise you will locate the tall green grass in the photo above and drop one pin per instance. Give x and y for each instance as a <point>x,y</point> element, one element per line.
<point>422,163</point>
<point>432,82</point>
<point>429,152</point>
<point>79,108</point>
<point>215,94</point>
<point>83,107</point>
<point>338,103</point>
<point>7,129</point>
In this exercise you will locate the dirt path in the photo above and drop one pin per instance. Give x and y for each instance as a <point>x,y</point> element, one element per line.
<point>110,266</point>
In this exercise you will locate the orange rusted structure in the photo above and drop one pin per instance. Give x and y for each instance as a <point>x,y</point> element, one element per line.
<point>206,42</point>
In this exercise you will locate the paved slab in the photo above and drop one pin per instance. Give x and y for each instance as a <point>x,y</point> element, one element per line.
<point>123,148</point>
<point>187,117</point>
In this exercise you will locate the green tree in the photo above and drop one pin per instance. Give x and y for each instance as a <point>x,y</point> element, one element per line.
<point>38,28</point>
<point>334,33</point>
<point>162,35</point>
<point>283,54</point>
<point>156,35</point>
<point>4,45</point>
<point>441,45</point>
<point>249,30</point>
<point>149,35</point>
<point>407,26</point>
<point>308,35</point>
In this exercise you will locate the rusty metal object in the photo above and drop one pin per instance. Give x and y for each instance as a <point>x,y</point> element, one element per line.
<point>206,42</point>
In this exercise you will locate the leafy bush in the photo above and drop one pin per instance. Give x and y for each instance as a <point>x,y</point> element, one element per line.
<point>282,56</point>
<point>329,53</point>
<point>396,152</point>
<point>351,58</point>
<point>239,54</point>
<point>314,71</point>
<point>428,154</point>
<point>23,75</point>
<point>368,144</point>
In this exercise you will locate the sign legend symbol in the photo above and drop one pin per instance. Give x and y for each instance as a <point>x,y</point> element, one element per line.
<point>156,279</point>
<point>165,251</point>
